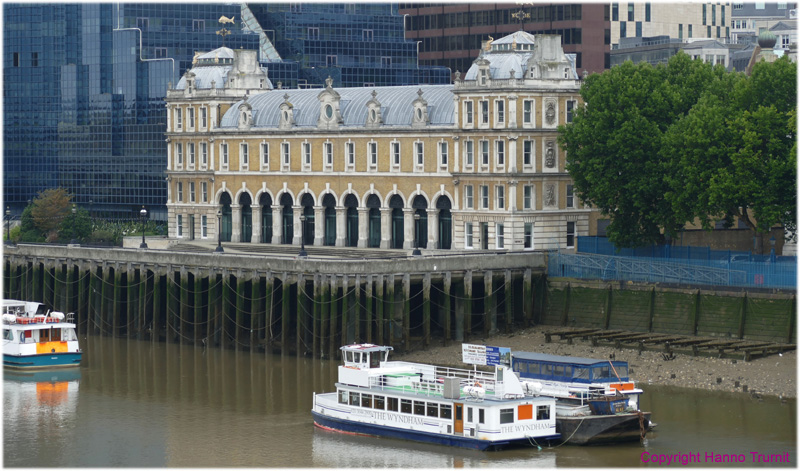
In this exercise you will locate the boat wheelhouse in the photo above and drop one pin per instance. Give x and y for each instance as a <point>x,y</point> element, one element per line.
<point>35,337</point>
<point>428,403</point>
<point>596,401</point>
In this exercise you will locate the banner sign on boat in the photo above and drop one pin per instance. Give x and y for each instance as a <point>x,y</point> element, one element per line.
<point>485,355</point>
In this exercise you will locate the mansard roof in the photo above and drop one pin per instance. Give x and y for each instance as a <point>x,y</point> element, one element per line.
<point>518,52</point>
<point>396,106</point>
<point>213,66</point>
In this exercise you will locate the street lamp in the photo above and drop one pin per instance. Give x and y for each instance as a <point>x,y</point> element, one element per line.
<point>74,241</point>
<point>143,214</point>
<point>8,225</point>
<point>416,251</point>
<point>303,236</point>
<point>219,232</point>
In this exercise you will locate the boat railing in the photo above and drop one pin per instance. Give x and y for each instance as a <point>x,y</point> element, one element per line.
<point>431,377</point>
<point>70,317</point>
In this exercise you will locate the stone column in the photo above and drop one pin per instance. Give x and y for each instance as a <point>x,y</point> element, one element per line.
<point>512,151</point>
<point>433,228</point>
<point>386,228</point>
<point>363,227</point>
<point>236,222</point>
<point>341,230</point>
<point>456,156</point>
<point>256,238</point>
<point>319,225</point>
<point>277,224</point>
<point>298,228</point>
<point>408,228</point>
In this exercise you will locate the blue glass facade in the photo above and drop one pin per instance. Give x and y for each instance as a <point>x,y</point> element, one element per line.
<point>356,44</point>
<point>84,88</point>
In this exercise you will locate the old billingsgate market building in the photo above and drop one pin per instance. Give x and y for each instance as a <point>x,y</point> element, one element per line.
<point>471,165</point>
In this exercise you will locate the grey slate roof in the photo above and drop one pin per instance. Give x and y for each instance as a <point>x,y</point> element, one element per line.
<point>396,106</point>
<point>204,75</point>
<point>501,64</point>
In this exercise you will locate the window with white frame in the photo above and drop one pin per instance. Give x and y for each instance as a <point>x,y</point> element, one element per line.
<point>443,154</point>
<point>179,224</point>
<point>313,34</point>
<point>469,154</point>
<point>528,240</point>
<point>367,34</point>
<point>570,234</point>
<point>469,118</point>
<point>570,197</point>
<point>331,60</point>
<point>190,116</point>
<point>396,154</point>
<point>500,153</point>
<point>500,193</point>
<point>178,154</point>
<point>204,191</point>
<point>285,157</point>
<point>499,112</point>
<point>244,156</point>
<point>306,146</point>
<point>527,154</point>
<point>571,104</point>
<point>179,191</point>
<point>527,197</point>
<point>386,62</point>
<point>327,149</point>
<point>204,226</point>
<point>191,154</point>
<point>468,197</point>
<point>468,235</point>
<point>372,152</point>
<point>527,113</point>
<point>204,154</point>
<point>178,119</point>
<point>264,156</point>
<point>500,236</point>
<point>484,197</point>
<point>204,117</point>
<point>484,112</point>
<point>419,155</point>
<point>191,192</point>
<point>484,153</point>
<point>350,152</point>
<point>223,155</point>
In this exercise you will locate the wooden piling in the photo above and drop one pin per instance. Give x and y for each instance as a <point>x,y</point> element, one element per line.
<point>489,308</point>
<point>509,301</point>
<point>446,306</point>
<point>369,308</point>
<point>333,316</point>
<point>285,293</point>
<point>200,300</point>
<point>467,304</point>
<point>345,309</point>
<point>406,311</point>
<point>426,310</point>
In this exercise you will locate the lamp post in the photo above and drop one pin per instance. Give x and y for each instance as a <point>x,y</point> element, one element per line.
<point>416,251</point>
<point>74,241</point>
<point>143,215</point>
<point>303,236</point>
<point>219,232</point>
<point>772,249</point>
<point>8,225</point>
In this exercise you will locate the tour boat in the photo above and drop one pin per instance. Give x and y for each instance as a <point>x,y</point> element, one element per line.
<point>426,403</point>
<point>596,401</point>
<point>35,337</point>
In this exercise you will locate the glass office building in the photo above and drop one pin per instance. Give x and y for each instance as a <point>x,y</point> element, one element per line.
<point>84,88</point>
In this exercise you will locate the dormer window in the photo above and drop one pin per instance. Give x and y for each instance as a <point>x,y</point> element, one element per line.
<point>420,116</point>
<point>328,111</point>
<point>287,113</point>
<point>330,116</point>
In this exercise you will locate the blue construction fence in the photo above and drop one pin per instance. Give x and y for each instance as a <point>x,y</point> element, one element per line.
<point>598,258</point>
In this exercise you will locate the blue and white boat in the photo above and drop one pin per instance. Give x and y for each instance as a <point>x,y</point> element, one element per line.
<point>426,403</point>
<point>35,337</point>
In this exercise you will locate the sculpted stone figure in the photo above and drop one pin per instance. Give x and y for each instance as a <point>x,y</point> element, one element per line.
<point>550,113</point>
<point>550,156</point>
<point>550,195</point>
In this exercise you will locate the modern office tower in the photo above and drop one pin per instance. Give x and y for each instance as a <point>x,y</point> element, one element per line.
<point>84,88</point>
<point>356,44</point>
<point>451,34</point>
<point>682,20</point>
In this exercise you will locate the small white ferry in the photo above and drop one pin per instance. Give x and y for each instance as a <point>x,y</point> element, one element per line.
<point>427,403</point>
<point>35,337</point>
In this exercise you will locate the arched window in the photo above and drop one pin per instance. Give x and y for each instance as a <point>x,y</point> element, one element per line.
<point>396,203</point>
<point>351,236</point>
<point>247,217</point>
<point>374,237</point>
<point>288,214</point>
<point>266,218</point>
<point>420,206</point>
<point>329,203</point>
<point>227,219</point>
<point>444,205</point>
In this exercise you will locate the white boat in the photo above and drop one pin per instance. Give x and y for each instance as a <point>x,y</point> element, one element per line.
<point>596,401</point>
<point>35,337</point>
<point>427,403</point>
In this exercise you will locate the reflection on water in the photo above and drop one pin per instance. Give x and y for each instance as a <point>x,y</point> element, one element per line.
<point>149,404</point>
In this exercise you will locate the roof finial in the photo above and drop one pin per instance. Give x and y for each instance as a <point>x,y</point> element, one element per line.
<point>521,16</point>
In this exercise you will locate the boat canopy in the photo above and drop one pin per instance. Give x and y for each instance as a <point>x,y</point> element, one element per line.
<point>568,369</point>
<point>365,355</point>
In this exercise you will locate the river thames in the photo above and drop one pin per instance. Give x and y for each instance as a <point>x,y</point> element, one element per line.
<point>142,404</point>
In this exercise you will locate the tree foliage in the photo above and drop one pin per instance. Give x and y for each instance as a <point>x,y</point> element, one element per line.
<point>48,210</point>
<point>657,147</point>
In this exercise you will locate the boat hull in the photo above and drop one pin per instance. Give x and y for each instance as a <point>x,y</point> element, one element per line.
<point>348,426</point>
<point>45,360</point>
<point>602,429</point>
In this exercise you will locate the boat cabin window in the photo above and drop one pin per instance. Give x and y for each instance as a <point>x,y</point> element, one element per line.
<point>559,370</point>
<point>579,372</point>
<point>50,335</point>
<point>41,310</point>
<point>481,416</point>
<point>506,416</point>
<point>354,398</point>
<point>469,414</point>
<point>542,412</point>
<point>374,360</point>
<point>405,405</point>
<point>446,411</point>
<point>366,400</point>
<point>380,402</point>
<point>419,407</point>
<point>547,369</point>
<point>433,409</point>
<point>8,335</point>
<point>348,356</point>
<point>622,371</point>
<point>342,397</point>
<point>392,404</point>
<point>68,335</point>
<point>601,372</point>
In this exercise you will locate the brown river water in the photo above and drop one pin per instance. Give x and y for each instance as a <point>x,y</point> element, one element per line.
<point>142,404</point>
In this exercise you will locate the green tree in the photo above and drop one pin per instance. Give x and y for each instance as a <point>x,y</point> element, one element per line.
<point>651,140</point>
<point>77,226</point>
<point>49,209</point>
